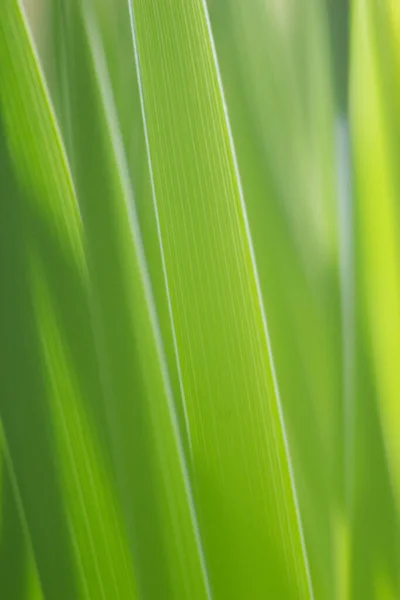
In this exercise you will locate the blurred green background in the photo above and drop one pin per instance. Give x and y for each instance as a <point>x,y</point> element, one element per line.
<point>199,299</point>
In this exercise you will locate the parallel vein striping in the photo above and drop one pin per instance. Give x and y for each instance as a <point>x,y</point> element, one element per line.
<point>55,191</point>
<point>180,508</point>
<point>40,163</point>
<point>235,421</point>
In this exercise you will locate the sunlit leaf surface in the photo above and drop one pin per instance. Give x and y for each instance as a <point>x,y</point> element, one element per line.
<point>199,299</point>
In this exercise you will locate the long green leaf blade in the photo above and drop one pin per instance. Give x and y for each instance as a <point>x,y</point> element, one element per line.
<point>72,515</point>
<point>377,190</point>
<point>148,453</point>
<point>240,462</point>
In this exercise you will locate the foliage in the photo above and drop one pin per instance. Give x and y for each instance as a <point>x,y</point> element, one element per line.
<point>200,299</point>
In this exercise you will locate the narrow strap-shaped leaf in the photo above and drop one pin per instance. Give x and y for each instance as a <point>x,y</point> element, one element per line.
<point>378,189</point>
<point>374,127</point>
<point>241,467</point>
<point>25,422</point>
<point>148,453</point>
<point>308,369</point>
<point>51,400</point>
<point>18,569</point>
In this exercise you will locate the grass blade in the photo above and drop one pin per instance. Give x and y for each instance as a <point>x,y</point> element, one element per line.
<point>73,518</point>
<point>246,497</point>
<point>377,192</point>
<point>148,453</point>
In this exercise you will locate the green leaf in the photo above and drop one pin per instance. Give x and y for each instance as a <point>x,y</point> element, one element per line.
<point>377,191</point>
<point>59,450</point>
<point>301,300</point>
<point>148,454</point>
<point>241,471</point>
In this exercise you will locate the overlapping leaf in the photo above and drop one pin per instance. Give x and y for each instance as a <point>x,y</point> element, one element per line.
<point>241,470</point>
